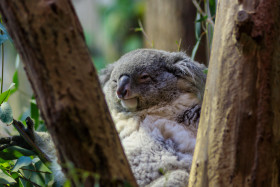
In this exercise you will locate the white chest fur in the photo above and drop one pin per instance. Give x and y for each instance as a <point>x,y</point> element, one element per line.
<point>153,140</point>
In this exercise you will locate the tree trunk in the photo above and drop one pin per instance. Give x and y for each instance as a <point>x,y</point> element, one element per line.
<point>238,139</point>
<point>168,22</point>
<point>50,40</point>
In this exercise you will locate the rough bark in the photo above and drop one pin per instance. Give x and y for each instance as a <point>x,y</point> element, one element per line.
<point>238,137</point>
<point>169,21</point>
<point>49,38</point>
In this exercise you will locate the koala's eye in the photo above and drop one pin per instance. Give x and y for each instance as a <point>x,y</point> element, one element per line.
<point>115,81</point>
<point>144,77</point>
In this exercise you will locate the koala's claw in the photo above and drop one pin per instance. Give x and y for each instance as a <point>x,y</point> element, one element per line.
<point>30,123</point>
<point>19,140</point>
<point>30,128</point>
<point>192,115</point>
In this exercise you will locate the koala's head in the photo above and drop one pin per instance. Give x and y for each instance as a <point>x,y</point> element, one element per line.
<point>145,77</point>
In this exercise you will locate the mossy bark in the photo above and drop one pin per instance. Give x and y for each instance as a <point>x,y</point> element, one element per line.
<point>49,38</point>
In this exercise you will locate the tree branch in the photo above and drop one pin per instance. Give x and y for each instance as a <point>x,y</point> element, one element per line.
<point>49,38</point>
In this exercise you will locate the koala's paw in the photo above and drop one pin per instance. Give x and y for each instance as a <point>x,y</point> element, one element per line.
<point>191,116</point>
<point>19,140</point>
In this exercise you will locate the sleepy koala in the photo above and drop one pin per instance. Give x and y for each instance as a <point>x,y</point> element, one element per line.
<point>154,98</point>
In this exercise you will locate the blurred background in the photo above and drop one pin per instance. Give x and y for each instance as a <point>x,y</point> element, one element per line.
<point>114,27</point>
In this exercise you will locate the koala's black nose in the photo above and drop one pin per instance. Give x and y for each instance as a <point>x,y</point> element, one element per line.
<point>123,89</point>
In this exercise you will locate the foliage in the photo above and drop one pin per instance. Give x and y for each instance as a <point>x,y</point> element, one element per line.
<point>25,171</point>
<point>150,42</point>
<point>118,21</point>
<point>19,166</point>
<point>4,34</point>
<point>204,24</point>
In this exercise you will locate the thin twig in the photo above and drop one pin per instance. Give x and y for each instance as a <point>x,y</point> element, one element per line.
<point>202,13</point>
<point>35,170</point>
<point>2,52</point>
<point>145,34</point>
<point>199,39</point>
<point>179,44</point>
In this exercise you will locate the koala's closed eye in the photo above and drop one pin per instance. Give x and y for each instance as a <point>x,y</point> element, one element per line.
<point>144,77</point>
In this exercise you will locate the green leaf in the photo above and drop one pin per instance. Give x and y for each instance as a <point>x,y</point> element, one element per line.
<point>3,38</point>
<point>179,44</point>
<point>21,162</point>
<point>161,171</point>
<point>212,6</point>
<point>40,166</point>
<point>197,26</point>
<point>20,182</point>
<point>15,152</point>
<point>30,172</point>
<point>205,71</point>
<point>14,175</point>
<point>195,48</point>
<point>2,27</point>
<point>67,183</point>
<point>6,179</point>
<point>6,113</point>
<point>5,95</point>
<point>4,165</point>
<point>201,19</point>
<point>16,81</point>
<point>27,171</point>
<point>49,179</point>
<point>36,177</point>
<point>11,86</point>
<point>138,29</point>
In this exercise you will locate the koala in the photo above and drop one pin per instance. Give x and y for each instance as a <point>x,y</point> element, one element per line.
<point>154,98</point>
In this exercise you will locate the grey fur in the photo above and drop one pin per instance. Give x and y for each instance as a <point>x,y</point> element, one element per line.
<point>165,68</point>
<point>151,142</point>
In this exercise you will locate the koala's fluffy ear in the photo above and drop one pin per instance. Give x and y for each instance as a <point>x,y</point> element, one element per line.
<point>105,74</point>
<point>182,66</point>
